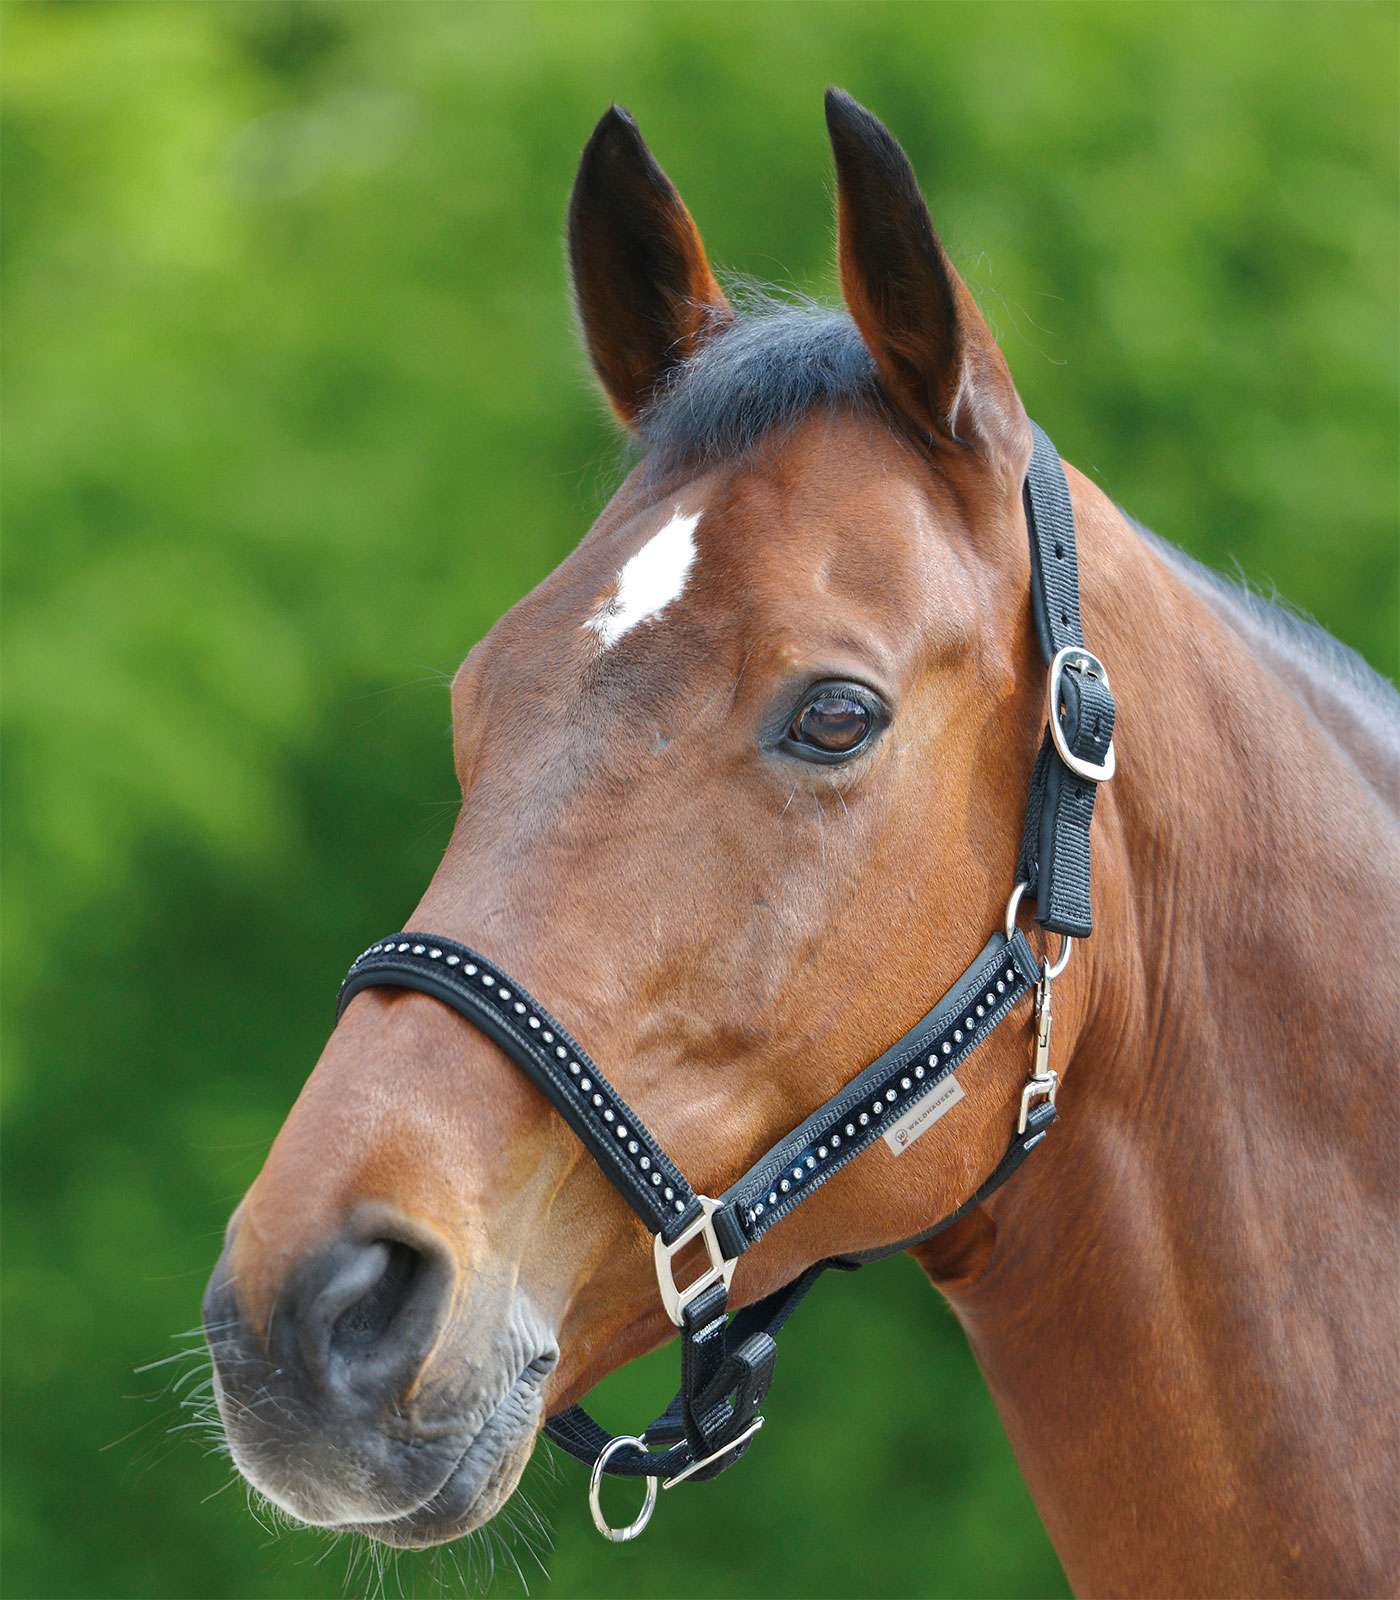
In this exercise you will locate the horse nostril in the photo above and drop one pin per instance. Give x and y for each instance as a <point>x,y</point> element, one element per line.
<point>365,1322</point>
<point>373,1309</point>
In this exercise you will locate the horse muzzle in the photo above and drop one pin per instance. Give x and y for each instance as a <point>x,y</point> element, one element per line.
<point>369,1401</point>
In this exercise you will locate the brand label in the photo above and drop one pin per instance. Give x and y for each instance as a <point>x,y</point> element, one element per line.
<point>920,1118</point>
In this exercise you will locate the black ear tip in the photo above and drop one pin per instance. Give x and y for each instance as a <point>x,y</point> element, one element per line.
<point>845,115</point>
<point>616,130</point>
<point>861,143</point>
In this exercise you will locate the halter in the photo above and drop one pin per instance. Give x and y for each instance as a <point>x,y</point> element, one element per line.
<point>727,1364</point>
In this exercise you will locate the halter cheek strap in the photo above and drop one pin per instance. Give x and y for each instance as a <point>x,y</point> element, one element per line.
<point>727,1365</point>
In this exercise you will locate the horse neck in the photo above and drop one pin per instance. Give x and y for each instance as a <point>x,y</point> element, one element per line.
<point>1187,1312</point>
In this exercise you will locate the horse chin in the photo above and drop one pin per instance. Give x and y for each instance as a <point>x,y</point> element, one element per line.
<point>475,1485</point>
<point>476,1489</point>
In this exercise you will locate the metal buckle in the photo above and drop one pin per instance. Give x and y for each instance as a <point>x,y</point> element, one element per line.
<point>695,1466</point>
<point>1081,660</point>
<point>720,1270</point>
<point>1044,1088</point>
<point>595,1484</point>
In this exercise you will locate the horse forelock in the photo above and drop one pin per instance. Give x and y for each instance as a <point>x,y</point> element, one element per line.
<point>781,358</point>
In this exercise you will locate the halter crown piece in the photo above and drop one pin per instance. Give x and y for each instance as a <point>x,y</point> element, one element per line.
<point>727,1364</point>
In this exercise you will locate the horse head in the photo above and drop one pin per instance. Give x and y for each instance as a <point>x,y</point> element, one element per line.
<point>742,784</point>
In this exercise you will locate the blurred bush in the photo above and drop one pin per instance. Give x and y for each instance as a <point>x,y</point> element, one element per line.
<point>294,409</point>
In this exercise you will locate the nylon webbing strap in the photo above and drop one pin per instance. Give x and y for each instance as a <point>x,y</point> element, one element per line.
<point>554,1061</point>
<point>905,1074</point>
<point>1054,859</point>
<point>749,1344</point>
<point>756,1327</point>
<point>1054,561</point>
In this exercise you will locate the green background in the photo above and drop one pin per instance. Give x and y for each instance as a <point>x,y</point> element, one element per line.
<point>294,409</point>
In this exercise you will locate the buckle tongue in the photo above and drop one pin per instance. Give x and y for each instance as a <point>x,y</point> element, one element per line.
<point>724,1449</point>
<point>720,1269</point>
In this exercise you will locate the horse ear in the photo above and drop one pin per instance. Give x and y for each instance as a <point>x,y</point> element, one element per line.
<point>645,294</point>
<point>935,352</point>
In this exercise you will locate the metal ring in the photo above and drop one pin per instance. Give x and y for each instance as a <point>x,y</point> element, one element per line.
<point>595,1484</point>
<point>1013,905</point>
<point>1062,960</point>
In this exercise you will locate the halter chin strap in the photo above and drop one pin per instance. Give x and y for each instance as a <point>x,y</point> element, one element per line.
<point>727,1365</point>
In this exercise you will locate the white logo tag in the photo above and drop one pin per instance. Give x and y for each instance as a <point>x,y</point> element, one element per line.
<point>920,1118</point>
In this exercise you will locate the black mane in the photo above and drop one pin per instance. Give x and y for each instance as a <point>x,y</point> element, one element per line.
<point>780,360</point>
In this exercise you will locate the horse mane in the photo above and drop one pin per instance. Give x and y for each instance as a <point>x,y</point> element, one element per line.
<point>1287,624</point>
<point>783,357</point>
<point>787,355</point>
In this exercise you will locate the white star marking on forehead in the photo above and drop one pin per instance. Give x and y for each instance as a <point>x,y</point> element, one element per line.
<point>650,580</point>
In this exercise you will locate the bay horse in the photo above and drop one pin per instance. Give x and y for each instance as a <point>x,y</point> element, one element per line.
<point>742,790</point>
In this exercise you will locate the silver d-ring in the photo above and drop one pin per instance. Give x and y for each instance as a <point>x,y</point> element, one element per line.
<point>595,1484</point>
<point>1062,960</point>
<point>1013,905</point>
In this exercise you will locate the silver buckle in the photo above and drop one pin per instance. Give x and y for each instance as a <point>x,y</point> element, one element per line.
<point>1044,1088</point>
<point>720,1270</point>
<point>1081,660</point>
<point>695,1466</point>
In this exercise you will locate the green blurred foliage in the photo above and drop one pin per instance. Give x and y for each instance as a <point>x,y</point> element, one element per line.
<point>294,410</point>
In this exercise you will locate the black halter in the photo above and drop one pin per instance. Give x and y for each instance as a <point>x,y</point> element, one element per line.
<point>727,1366</point>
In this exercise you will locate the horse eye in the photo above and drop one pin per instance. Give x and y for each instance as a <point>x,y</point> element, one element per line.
<point>835,722</point>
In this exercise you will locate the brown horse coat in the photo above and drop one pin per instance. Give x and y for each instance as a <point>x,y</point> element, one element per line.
<point>1185,1305</point>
